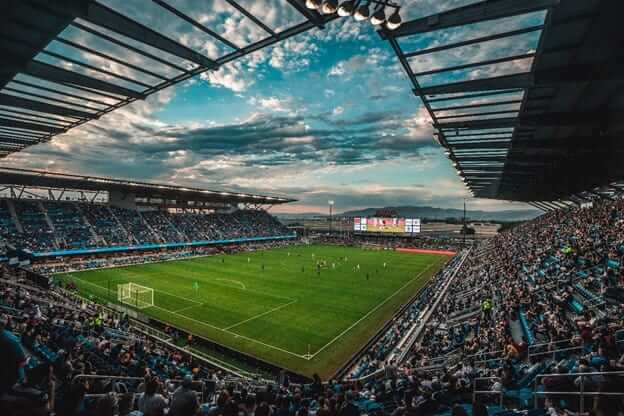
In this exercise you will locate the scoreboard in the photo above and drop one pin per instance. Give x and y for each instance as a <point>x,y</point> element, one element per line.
<point>386,225</point>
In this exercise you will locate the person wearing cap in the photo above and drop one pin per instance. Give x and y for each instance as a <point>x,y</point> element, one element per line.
<point>184,400</point>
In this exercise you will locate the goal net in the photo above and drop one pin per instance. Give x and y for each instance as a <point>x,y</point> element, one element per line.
<point>135,295</point>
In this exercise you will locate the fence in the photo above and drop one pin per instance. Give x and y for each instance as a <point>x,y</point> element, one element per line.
<point>476,392</point>
<point>582,393</point>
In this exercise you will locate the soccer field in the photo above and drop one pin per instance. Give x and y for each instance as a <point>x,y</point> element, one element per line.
<point>275,304</point>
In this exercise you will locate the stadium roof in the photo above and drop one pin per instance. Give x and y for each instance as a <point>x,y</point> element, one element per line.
<point>43,179</point>
<point>530,125</point>
<point>68,62</point>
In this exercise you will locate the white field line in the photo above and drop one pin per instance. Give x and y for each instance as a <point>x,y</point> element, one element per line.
<point>155,290</point>
<point>232,333</point>
<point>214,283</point>
<point>188,307</point>
<point>212,326</point>
<point>370,312</point>
<point>241,284</point>
<point>277,308</point>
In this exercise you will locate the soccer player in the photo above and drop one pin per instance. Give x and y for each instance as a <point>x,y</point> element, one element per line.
<point>196,287</point>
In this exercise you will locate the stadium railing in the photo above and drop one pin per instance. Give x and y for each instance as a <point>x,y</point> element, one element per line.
<point>476,392</point>
<point>202,390</point>
<point>78,377</point>
<point>412,335</point>
<point>230,369</point>
<point>415,333</point>
<point>581,394</point>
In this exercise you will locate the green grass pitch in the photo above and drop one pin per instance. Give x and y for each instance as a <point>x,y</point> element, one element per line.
<point>274,304</point>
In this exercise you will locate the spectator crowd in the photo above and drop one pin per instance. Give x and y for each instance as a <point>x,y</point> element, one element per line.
<point>533,316</point>
<point>45,226</point>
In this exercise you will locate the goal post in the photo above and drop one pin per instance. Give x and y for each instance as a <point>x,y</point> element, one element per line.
<point>135,295</point>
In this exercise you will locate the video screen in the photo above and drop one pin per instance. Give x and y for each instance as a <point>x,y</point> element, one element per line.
<point>386,225</point>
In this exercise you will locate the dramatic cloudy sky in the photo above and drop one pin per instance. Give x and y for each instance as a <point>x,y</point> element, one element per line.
<point>327,114</point>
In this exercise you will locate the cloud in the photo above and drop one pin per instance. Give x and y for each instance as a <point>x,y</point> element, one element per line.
<point>232,76</point>
<point>271,103</point>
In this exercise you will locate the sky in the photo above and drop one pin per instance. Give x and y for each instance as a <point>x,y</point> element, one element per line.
<point>325,115</point>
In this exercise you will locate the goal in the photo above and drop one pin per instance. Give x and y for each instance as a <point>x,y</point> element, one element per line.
<point>135,295</point>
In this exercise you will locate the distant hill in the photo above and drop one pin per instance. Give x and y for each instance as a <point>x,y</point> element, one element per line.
<point>299,216</point>
<point>433,213</point>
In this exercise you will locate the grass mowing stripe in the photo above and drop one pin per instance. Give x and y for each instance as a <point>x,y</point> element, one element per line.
<point>371,311</point>
<point>209,325</point>
<point>339,306</point>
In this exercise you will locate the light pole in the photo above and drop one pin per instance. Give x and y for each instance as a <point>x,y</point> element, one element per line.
<point>331,207</point>
<point>464,227</point>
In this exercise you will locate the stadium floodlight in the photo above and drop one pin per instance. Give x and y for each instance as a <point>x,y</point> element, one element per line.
<point>313,4</point>
<point>329,6</point>
<point>378,17</point>
<point>346,8</point>
<point>362,13</point>
<point>394,21</point>
<point>360,10</point>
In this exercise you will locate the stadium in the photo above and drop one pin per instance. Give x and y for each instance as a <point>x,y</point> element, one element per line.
<point>166,170</point>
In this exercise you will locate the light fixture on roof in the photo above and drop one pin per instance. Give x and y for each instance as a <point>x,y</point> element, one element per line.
<point>362,13</point>
<point>313,4</point>
<point>346,8</point>
<point>378,17</point>
<point>394,21</point>
<point>329,6</point>
<point>360,10</point>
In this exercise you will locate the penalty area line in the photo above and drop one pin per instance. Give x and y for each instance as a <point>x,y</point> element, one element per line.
<point>277,308</point>
<point>236,335</point>
<point>227,331</point>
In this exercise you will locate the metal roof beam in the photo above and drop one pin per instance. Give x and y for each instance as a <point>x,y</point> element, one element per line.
<point>479,124</point>
<point>612,69</point>
<point>53,73</point>
<point>29,126</point>
<point>571,118</point>
<point>251,17</point>
<point>19,102</point>
<point>487,113</point>
<point>476,64</point>
<point>478,105</point>
<point>514,81</point>
<point>474,41</point>
<point>480,158</point>
<point>311,15</point>
<point>468,96</point>
<point>195,23</point>
<point>6,139</point>
<point>30,135</point>
<point>473,13</point>
<point>108,18</point>
<point>482,145</point>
